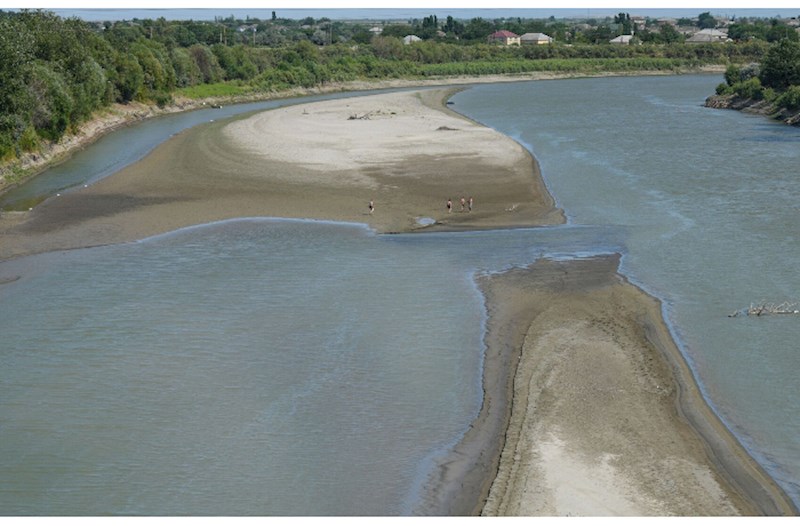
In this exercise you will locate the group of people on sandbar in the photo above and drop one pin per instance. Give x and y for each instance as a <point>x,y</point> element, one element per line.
<point>464,204</point>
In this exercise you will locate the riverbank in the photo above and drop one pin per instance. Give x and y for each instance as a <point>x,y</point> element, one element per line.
<point>757,107</point>
<point>408,156</point>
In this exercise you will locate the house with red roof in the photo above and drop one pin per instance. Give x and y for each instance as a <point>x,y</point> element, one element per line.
<point>507,38</point>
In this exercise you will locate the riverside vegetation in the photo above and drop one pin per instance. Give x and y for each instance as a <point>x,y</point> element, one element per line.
<point>770,87</point>
<point>56,74</point>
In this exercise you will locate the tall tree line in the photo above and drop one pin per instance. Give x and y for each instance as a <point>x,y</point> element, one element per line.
<point>55,73</point>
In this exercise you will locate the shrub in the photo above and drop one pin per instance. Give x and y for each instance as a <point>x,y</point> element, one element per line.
<point>162,98</point>
<point>790,99</point>
<point>724,89</point>
<point>29,141</point>
<point>749,89</point>
<point>749,71</point>
<point>731,76</point>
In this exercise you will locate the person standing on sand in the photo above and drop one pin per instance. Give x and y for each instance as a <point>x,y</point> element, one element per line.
<point>449,206</point>
<point>470,203</point>
<point>371,207</point>
<point>463,202</point>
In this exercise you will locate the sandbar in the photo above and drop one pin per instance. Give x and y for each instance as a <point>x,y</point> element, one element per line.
<point>607,419</point>
<point>404,151</point>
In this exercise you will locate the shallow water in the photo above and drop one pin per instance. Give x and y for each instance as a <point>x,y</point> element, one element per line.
<point>290,368</point>
<point>249,367</point>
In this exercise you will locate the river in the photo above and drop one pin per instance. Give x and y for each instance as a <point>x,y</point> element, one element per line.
<point>272,367</point>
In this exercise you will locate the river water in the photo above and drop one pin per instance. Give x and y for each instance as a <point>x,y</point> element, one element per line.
<point>273,367</point>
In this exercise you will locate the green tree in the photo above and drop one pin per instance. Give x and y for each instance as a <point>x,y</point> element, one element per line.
<point>706,21</point>
<point>307,51</point>
<point>781,31</point>
<point>670,35</point>
<point>478,29</point>
<point>599,35</point>
<point>16,103</point>
<point>732,75</point>
<point>207,63</point>
<point>16,53</point>
<point>51,113</point>
<point>397,30</point>
<point>129,78</point>
<point>187,72</point>
<point>87,81</point>
<point>451,26</point>
<point>429,27</point>
<point>387,47</point>
<point>781,67</point>
<point>747,31</point>
<point>235,61</point>
<point>362,36</point>
<point>624,20</point>
<point>158,73</point>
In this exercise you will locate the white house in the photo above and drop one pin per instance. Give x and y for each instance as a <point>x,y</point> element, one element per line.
<point>622,39</point>
<point>410,39</point>
<point>535,39</point>
<point>709,35</point>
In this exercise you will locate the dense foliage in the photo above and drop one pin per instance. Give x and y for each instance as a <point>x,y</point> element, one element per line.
<point>776,79</point>
<point>56,73</point>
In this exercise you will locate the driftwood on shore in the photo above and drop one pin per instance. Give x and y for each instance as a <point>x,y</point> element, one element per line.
<point>764,309</point>
<point>356,116</point>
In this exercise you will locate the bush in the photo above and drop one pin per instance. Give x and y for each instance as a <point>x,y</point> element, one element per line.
<point>724,89</point>
<point>731,76</point>
<point>749,71</point>
<point>162,99</point>
<point>790,99</point>
<point>12,129</point>
<point>29,140</point>
<point>749,89</point>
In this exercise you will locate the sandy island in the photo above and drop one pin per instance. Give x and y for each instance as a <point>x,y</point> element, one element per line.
<point>589,409</point>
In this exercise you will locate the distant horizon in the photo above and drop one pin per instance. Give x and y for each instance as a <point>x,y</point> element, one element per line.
<point>347,13</point>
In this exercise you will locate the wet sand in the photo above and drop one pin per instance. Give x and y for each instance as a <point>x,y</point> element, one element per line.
<point>588,408</point>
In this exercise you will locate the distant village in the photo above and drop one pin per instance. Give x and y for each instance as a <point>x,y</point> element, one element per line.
<point>622,29</point>
<point>629,30</point>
